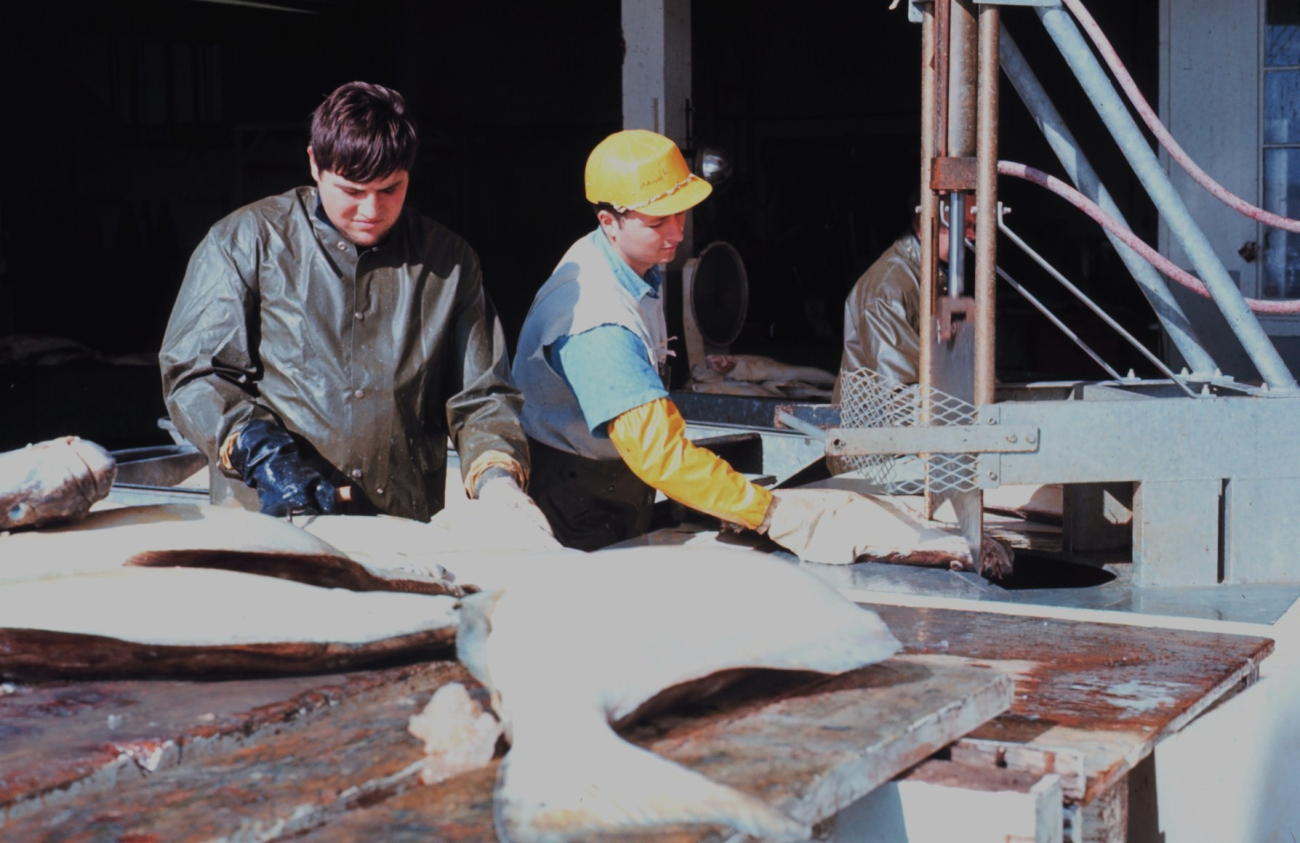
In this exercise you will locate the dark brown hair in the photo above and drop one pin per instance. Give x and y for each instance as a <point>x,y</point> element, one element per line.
<point>362,133</point>
<point>607,206</point>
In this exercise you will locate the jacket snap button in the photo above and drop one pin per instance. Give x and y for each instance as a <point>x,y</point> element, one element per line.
<point>360,393</point>
<point>356,472</point>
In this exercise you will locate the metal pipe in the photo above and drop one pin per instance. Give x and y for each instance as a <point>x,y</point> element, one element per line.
<point>1176,152</point>
<point>808,429</point>
<point>1056,320</point>
<point>940,34</point>
<point>934,115</point>
<point>1060,26</point>
<point>1080,170</point>
<point>962,70</point>
<point>962,99</point>
<point>1093,306</point>
<point>929,203</point>
<point>986,198</point>
<point>1159,261</point>
<point>956,236</point>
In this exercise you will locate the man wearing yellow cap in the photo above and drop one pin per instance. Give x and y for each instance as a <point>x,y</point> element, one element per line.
<point>602,432</point>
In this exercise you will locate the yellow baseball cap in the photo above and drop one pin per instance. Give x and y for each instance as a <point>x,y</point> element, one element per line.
<point>638,170</point>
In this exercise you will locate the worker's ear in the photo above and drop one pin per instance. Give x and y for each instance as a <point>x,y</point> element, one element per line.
<point>315,171</point>
<point>605,218</point>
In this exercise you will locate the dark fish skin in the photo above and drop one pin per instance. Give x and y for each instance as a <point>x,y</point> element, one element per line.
<point>138,622</point>
<point>39,655</point>
<point>57,480</point>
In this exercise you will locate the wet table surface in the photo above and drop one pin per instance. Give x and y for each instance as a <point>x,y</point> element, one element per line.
<point>329,758</point>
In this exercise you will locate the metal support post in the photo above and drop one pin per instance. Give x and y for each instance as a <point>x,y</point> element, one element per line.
<point>986,232</point>
<point>1176,532</point>
<point>1261,521</point>
<point>955,358</point>
<point>1063,31</point>
<point>963,45</point>
<point>929,203</point>
<point>1080,170</point>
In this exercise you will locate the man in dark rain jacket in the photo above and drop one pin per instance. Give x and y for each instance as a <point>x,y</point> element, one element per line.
<point>882,311</point>
<point>327,341</point>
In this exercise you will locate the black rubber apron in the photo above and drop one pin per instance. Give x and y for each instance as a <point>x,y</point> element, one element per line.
<point>590,503</point>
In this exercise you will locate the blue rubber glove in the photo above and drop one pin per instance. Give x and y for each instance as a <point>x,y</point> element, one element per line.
<point>267,459</point>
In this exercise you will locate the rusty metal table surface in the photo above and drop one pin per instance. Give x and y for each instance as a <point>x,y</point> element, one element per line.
<point>807,743</point>
<point>329,757</point>
<point>1107,691</point>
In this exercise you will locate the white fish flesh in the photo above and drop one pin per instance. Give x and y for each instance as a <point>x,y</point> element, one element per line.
<point>562,663</point>
<point>458,734</point>
<point>58,480</point>
<point>753,367</point>
<point>385,542</point>
<point>194,621</point>
<point>200,536</point>
<point>470,544</point>
<point>853,527</point>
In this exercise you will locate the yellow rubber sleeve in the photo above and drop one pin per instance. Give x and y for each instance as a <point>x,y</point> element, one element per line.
<point>652,441</point>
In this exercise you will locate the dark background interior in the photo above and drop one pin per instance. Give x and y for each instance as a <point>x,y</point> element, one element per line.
<point>132,125</point>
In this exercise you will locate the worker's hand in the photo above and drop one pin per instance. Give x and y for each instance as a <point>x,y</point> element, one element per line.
<point>267,459</point>
<point>818,525</point>
<point>499,487</point>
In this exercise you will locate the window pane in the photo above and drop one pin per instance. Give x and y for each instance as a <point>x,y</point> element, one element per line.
<point>1282,248</point>
<point>1282,34</point>
<point>1282,106</point>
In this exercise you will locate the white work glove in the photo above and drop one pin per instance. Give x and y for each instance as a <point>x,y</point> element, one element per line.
<point>818,525</point>
<point>498,488</point>
<point>838,527</point>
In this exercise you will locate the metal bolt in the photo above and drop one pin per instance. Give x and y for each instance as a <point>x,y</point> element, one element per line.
<point>992,420</point>
<point>1031,438</point>
<point>1011,437</point>
<point>993,475</point>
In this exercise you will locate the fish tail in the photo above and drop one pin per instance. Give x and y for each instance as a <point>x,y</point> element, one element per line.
<point>609,785</point>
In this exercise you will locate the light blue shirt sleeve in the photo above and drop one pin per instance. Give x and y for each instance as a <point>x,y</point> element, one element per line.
<point>607,369</point>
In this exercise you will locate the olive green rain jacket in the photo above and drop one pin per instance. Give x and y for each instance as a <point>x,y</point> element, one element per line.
<point>371,360</point>
<point>881,315</point>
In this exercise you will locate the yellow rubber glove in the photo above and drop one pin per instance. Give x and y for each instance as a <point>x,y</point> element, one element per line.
<point>652,441</point>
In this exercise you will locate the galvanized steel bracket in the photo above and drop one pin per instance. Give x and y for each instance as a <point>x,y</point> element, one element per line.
<point>956,439</point>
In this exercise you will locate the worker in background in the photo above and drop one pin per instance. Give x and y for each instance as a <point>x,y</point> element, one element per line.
<point>331,338</point>
<point>602,432</point>
<point>882,312</point>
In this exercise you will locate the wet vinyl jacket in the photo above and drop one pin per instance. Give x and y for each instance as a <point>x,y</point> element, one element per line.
<point>371,360</point>
<point>881,315</point>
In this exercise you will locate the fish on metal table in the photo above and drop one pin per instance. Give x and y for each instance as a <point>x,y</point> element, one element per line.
<point>203,536</point>
<point>202,622</point>
<point>759,369</point>
<point>593,641</point>
<point>56,480</point>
